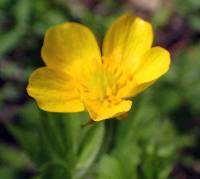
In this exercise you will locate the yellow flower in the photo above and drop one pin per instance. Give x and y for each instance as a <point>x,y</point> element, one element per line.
<point>77,77</point>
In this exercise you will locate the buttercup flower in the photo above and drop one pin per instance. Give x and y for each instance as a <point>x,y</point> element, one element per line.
<point>78,77</point>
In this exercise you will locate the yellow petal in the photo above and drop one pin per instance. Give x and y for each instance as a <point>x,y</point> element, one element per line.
<point>69,46</point>
<point>101,110</point>
<point>54,91</point>
<point>137,88</point>
<point>128,38</point>
<point>152,65</point>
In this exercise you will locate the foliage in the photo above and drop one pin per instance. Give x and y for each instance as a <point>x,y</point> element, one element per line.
<point>191,11</point>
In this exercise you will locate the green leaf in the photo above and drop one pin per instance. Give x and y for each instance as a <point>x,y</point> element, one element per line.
<point>14,157</point>
<point>55,170</point>
<point>7,173</point>
<point>110,168</point>
<point>10,39</point>
<point>90,148</point>
<point>27,139</point>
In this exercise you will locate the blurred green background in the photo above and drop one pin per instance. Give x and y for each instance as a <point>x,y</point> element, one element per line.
<point>161,137</point>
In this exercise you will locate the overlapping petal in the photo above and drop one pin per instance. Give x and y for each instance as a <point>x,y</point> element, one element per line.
<point>101,110</point>
<point>70,47</point>
<point>152,65</point>
<point>128,38</point>
<point>54,91</point>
